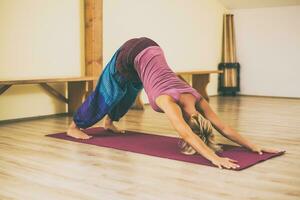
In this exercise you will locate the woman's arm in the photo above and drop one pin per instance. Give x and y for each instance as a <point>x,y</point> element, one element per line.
<point>227,131</point>
<point>174,113</point>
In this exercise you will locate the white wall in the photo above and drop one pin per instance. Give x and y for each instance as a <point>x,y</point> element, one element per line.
<point>38,39</point>
<point>190,32</point>
<point>238,4</point>
<point>268,48</point>
<point>45,39</point>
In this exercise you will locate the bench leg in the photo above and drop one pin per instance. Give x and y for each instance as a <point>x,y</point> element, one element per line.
<point>53,92</point>
<point>76,95</point>
<point>4,88</point>
<point>138,104</point>
<point>200,82</point>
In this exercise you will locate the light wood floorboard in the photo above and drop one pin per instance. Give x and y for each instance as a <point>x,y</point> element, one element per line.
<point>33,166</point>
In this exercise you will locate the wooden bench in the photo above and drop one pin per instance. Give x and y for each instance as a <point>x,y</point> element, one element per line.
<point>198,80</point>
<point>77,88</point>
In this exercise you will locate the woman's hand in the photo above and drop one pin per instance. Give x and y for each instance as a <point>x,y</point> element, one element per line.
<point>223,162</point>
<point>260,150</point>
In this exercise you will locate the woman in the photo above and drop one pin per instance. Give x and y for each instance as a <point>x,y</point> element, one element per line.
<point>139,63</point>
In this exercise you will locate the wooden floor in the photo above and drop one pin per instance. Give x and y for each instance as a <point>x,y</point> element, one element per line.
<point>33,166</point>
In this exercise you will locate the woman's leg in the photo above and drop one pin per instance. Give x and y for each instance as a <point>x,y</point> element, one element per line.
<point>108,124</point>
<point>93,109</point>
<point>107,94</point>
<point>75,132</point>
<point>96,111</point>
<point>132,91</point>
<point>90,112</point>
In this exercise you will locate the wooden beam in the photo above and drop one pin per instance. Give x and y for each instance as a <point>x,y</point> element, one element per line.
<point>76,95</point>
<point>53,92</point>
<point>4,88</point>
<point>93,38</point>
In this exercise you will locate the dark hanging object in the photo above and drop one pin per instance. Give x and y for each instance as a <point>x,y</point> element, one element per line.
<point>229,80</point>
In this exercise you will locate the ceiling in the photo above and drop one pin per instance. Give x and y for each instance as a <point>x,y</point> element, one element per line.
<point>240,4</point>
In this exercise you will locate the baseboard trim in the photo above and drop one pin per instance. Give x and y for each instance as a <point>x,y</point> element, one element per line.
<point>66,114</point>
<point>273,97</point>
<point>33,118</point>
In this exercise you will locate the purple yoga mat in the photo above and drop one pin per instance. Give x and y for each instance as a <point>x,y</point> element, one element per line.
<point>163,146</point>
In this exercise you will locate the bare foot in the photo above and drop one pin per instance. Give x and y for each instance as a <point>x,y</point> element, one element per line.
<point>109,125</point>
<point>113,128</point>
<point>78,134</point>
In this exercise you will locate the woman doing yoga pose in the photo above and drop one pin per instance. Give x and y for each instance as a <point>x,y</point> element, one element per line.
<point>140,63</point>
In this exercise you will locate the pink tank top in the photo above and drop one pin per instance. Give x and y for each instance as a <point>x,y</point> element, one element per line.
<point>158,78</point>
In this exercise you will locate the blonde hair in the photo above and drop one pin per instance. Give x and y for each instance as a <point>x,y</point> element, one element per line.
<point>203,128</point>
